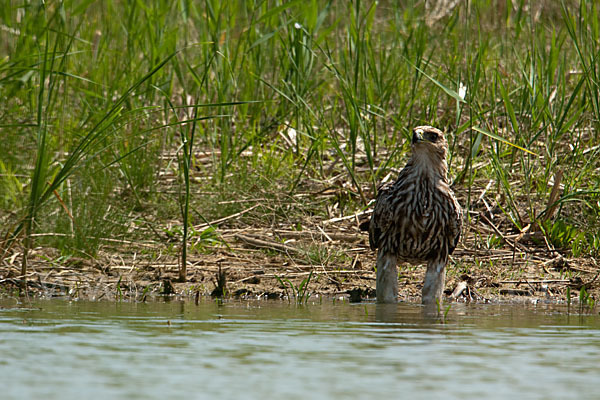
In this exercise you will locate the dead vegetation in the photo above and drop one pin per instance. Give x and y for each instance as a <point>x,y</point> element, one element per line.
<point>247,254</point>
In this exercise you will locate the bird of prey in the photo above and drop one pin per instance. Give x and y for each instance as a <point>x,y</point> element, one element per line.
<point>416,219</point>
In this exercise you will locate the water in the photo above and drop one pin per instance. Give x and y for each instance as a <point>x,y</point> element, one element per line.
<point>270,350</point>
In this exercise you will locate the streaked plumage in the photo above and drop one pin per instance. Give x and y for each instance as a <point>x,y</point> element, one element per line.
<point>416,219</point>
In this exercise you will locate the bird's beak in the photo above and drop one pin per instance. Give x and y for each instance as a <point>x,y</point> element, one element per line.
<point>417,136</point>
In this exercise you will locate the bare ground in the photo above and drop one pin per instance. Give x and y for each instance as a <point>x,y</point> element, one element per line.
<point>272,244</point>
<point>333,259</point>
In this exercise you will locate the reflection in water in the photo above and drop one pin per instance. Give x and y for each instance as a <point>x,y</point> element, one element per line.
<point>386,312</point>
<point>58,349</point>
<point>403,313</point>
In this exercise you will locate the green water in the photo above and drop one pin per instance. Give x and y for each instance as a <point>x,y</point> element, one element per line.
<point>271,350</point>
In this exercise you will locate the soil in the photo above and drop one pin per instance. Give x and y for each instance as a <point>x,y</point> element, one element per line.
<point>288,246</point>
<point>332,260</point>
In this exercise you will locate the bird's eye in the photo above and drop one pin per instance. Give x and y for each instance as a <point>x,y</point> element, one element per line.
<point>432,136</point>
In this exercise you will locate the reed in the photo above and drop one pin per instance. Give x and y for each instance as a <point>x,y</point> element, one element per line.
<point>102,100</point>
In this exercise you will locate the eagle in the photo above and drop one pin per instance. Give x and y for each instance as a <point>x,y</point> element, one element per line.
<point>416,219</point>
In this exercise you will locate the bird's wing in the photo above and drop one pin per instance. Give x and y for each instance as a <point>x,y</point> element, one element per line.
<point>455,224</point>
<point>382,215</point>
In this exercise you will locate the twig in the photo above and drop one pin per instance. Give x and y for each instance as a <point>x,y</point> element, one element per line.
<point>121,241</point>
<point>218,221</point>
<point>513,245</point>
<point>15,279</point>
<point>554,194</point>
<point>330,236</point>
<point>329,239</point>
<point>338,219</point>
<point>266,245</point>
<point>527,281</point>
<point>458,290</point>
<point>300,274</point>
<point>484,191</point>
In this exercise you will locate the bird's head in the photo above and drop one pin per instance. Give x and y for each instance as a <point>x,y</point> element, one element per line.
<point>429,148</point>
<point>429,141</point>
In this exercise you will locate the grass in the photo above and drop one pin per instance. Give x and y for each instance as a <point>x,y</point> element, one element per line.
<point>300,293</point>
<point>121,119</point>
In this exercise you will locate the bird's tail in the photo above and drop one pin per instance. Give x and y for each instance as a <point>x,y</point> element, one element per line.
<point>433,287</point>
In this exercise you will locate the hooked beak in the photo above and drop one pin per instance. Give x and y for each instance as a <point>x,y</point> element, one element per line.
<point>417,135</point>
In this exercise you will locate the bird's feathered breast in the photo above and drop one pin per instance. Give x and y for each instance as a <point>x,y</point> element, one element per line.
<point>417,217</point>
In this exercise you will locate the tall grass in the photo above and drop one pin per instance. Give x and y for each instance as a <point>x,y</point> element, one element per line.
<point>96,95</point>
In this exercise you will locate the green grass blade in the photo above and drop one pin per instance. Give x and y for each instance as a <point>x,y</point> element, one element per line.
<point>501,139</point>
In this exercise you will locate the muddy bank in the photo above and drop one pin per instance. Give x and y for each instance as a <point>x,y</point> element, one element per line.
<point>332,260</point>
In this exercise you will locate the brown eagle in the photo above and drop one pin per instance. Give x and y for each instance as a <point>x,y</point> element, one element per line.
<point>416,219</point>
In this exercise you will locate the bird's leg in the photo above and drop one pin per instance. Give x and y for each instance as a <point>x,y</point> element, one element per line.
<point>387,278</point>
<point>433,287</point>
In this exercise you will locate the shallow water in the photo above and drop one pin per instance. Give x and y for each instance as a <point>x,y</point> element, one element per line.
<point>263,350</point>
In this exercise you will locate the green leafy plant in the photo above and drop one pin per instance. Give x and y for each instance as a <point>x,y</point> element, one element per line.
<point>299,293</point>
<point>119,293</point>
<point>46,177</point>
<point>586,301</point>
